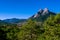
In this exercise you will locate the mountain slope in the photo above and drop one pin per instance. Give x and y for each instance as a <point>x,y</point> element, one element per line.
<point>42,15</point>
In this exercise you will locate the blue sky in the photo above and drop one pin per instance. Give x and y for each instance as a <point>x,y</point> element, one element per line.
<point>25,8</point>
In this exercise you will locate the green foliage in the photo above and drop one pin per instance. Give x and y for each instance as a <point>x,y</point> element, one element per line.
<point>8,32</point>
<point>52,28</point>
<point>29,31</point>
<point>12,33</point>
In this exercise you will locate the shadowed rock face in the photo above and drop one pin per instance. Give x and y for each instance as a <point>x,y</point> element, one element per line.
<point>41,10</point>
<point>38,14</point>
<point>42,14</point>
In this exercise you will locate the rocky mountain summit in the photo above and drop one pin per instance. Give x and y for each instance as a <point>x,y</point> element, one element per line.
<point>42,14</point>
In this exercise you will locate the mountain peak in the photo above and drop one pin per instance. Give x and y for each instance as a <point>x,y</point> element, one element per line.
<point>46,11</point>
<point>40,10</point>
<point>42,14</point>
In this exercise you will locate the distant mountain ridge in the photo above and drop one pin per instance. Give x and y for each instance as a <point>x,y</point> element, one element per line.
<point>14,20</point>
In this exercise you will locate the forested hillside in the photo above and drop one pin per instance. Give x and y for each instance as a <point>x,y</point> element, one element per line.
<point>32,30</point>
